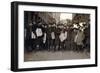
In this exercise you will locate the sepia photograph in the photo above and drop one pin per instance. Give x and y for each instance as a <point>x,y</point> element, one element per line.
<point>56,36</point>
<point>52,36</point>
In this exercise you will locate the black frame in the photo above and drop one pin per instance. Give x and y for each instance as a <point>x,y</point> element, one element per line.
<point>14,35</point>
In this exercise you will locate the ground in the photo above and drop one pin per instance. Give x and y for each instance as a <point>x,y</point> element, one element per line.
<point>58,55</point>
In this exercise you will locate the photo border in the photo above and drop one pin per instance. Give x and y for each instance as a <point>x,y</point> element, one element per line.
<point>14,35</point>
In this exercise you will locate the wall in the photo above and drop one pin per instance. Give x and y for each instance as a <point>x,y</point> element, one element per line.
<point>5,28</point>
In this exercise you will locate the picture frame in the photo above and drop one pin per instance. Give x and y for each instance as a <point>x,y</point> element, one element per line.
<point>18,21</point>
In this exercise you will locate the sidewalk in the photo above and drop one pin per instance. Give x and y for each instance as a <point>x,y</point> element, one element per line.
<point>58,55</point>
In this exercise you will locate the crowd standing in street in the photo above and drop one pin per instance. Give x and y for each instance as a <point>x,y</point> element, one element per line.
<point>55,37</point>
